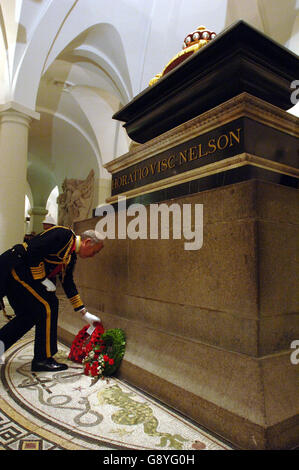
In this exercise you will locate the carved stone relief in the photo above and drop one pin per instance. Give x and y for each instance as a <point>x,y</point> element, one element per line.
<point>75,202</point>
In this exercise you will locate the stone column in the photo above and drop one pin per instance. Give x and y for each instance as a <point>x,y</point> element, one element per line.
<point>38,214</point>
<point>14,126</point>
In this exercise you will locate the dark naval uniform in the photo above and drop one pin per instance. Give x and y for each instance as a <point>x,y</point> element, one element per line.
<point>48,255</point>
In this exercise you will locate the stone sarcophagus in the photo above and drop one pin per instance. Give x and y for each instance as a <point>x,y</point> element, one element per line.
<point>210,331</point>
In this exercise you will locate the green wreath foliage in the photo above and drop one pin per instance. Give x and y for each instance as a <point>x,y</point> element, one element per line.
<point>115,345</point>
<point>105,355</point>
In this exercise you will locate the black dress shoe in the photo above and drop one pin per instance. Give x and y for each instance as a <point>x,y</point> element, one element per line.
<point>47,365</point>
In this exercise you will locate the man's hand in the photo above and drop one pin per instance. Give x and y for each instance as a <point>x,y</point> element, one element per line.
<point>49,285</point>
<point>91,319</point>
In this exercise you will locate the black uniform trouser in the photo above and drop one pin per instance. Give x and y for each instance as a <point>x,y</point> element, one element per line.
<point>33,305</point>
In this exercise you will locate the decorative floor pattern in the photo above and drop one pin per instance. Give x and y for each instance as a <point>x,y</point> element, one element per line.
<point>62,410</point>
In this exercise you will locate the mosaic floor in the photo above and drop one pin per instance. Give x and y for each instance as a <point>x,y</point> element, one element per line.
<point>63,411</point>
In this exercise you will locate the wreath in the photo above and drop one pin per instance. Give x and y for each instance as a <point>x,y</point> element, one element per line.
<point>101,352</point>
<point>106,354</point>
<point>83,342</point>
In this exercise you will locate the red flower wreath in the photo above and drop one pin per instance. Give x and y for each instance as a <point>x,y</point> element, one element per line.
<point>101,352</point>
<point>106,355</point>
<point>83,342</point>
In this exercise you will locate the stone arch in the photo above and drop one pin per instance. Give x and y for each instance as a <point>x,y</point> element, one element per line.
<point>37,57</point>
<point>73,128</point>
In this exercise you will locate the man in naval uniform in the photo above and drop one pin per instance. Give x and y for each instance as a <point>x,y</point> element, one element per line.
<point>28,276</point>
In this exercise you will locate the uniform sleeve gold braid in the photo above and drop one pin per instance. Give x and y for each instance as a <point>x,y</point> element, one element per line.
<point>76,301</point>
<point>38,272</point>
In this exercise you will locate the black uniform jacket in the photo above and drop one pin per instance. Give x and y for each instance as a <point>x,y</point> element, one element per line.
<point>53,253</point>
